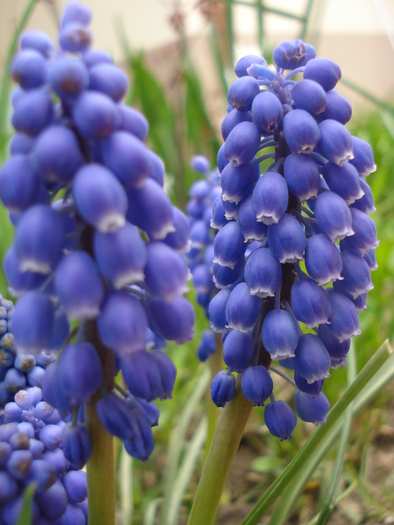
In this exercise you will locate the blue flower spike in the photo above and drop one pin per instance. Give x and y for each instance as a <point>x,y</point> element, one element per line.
<point>297,236</point>
<point>98,242</point>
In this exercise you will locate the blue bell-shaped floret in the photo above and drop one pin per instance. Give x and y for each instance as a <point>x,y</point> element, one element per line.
<point>270,198</point>
<point>172,320</point>
<point>313,409</point>
<point>335,142</point>
<point>302,176</point>
<point>238,350</point>
<point>300,131</point>
<point>257,384</point>
<point>322,259</point>
<point>280,419</point>
<point>222,388</point>
<point>242,308</point>
<point>287,239</point>
<point>122,323</point>
<point>279,334</point>
<point>312,360</point>
<point>149,375</point>
<point>263,273</point>
<point>333,216</point>
<point>79,286</point>
<point>324,71</point>
<point>310,303</point>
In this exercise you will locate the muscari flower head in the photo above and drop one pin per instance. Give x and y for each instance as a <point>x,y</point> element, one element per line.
<point>298,237</point>
<point>108,251</point>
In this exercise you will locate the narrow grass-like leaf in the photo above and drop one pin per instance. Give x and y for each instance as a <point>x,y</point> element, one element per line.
<point>26,515</point>
<point>293,491</point>
<point>178,441</point>
<point>126,487</point>
<point>190,459</point>
<point>317,437</point>
<point>336,475</point>
<point>150,511</point>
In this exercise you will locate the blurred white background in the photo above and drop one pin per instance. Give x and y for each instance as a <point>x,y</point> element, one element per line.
<point>357,34</point>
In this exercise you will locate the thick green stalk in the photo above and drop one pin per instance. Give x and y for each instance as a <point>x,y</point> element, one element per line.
<point>220,458</point>
<point>316,438</point>
<point>100,467</point>
<point>216,362</point>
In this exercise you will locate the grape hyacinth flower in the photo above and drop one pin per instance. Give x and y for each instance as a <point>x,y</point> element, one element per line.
<point>32,445</point>
<point>97,240</point>
<point>300,237</point>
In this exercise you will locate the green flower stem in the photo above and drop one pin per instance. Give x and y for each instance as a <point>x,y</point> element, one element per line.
<point>216,362</point>
<point>308,449</point>
<point>221,455</point>
<point>100,467</point>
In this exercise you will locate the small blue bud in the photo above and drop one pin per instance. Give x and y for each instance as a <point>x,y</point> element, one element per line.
<point>33,113</point>
<point>29,69</point>
<point>310,303</point>
<point>242,308</point>
<point>53,501</point>
<point>174,320</point>
<point>39,240</point>
<point>77,444</point>
<point>115,415</point>
<point>242,92</point>
<point>280,419</point>
<point>313,409</point>
<point>267,112</point>
<point>310,96</point>
<point>365,204</point>
<point>207,345</point>
<point>19,463</point>
<point>292,53</point>
<point>245,62</point>
<point>356,274</point>
<point>79,371</point>
<point>252,230</point>
<point>222,388</point>
<point>343,317</point>
<point>232,119</point>
<point>333,216</point>
<point>149,375</point>
<point>302,176</point>
<point>313,389</point>
<point>8,487</point>
<point>217,309</point>
<point>301,131</point>
<point>51,436</point>
<point>322,259</point>
<point>238,350</point>
<point>32,322</point>
<point>337,350</point>
<point>68,77</point>
<point>287,239</point>
<point>337,108</point>
<point>37,40</point>
<point>200,164</point>
<point>166,271</point>
<point>141,446</point>
<point>242,143</point>
<point>364,238</point>
<point>263,273</point>
<point>312,361</point>
<point>109,79</point>
<point>279,334</point>
<point>343,180</point>
<point>257,384</point>
<point>323,71</point>
<point>100,198</point>
<point>237,181</point>
<point>96,116</point>
<point>370,258</point>
<point>150,210</point>
<point>18,173</point>
<point>132,120</point>
<point>363,159</point>
<point>229,245</point>
<point>178,240</point>
<point>270,198</point>
<point>335,142</point>
<point>79,285</point>
<point>224,276</point>
<point>127,157</point>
